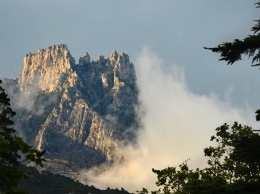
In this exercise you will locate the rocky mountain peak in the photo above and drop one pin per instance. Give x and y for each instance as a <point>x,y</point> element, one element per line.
<point>114,55</point>
<point>85,59</point>
<point>81,113</point>
<point>44,68</point>
<point>122,58</point>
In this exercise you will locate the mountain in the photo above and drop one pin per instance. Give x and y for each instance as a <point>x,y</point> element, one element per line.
<point>79,113</point>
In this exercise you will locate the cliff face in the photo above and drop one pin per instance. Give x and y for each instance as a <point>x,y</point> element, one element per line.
<point>45,67</point>
<point>79,114</point>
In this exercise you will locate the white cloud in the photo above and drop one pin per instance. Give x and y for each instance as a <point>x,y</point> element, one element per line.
<point>177,126</point>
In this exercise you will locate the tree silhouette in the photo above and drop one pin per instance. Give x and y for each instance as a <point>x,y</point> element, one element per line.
<point>234,161</point>
<point>249,46</point>
<point>233,166</point>
<point>13,150</point>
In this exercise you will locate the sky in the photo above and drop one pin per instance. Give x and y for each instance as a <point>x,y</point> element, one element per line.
<point>177,126</point>
<point>176,30</point>
<point>179,81</point>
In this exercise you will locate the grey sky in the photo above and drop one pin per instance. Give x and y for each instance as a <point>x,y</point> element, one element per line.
<point>174,29</point>
<point>181,114</point>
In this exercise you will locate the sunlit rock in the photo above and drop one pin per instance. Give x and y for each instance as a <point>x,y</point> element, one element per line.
<point>80,114</point>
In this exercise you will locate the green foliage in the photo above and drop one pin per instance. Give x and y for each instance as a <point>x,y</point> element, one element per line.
<point>234,161</point>
<point>249,46</point>
<point>13,150</point>
<point>233,166</point>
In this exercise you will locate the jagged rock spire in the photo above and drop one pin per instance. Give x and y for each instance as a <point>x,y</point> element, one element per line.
<point>85,59</point>
<point>114,55</point>
<point>81,112</point>
<point>44,68</point>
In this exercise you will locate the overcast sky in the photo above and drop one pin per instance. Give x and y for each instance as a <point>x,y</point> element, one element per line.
<point>185,91</point>
<point>176,30</point>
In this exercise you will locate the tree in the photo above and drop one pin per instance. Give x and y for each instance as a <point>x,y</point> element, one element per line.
<point>234,163</point>
<point>13,150</point>
<point>233,166</point>
<point>249,46</point>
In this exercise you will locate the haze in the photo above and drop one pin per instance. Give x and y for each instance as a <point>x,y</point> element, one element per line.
<point>185,91</point>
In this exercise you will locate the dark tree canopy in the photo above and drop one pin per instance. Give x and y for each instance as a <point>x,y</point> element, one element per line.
<point>233,166</point>
<point>13,150</point>
<point>249,46</point>
<point>234,160</point>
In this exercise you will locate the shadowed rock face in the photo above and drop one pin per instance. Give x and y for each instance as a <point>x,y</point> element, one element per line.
<point>80,114</point>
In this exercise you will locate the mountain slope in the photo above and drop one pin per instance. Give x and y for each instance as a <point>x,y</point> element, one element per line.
<point>80,114</point>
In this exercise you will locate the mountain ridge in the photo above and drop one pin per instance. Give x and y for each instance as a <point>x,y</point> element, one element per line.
<point>79,113</point>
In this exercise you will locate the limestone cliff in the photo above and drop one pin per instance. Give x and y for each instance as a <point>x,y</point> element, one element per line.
<point>79,114</point>
<point>45,68</point>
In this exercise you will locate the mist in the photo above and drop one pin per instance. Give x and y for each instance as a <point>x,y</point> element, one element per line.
<point>177,125</point>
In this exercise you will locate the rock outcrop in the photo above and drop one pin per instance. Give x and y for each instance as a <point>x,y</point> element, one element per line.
<point>80,114</point>
<point>45,68</point>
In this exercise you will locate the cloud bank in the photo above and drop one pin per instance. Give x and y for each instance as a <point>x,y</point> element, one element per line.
<point>177,126</point>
